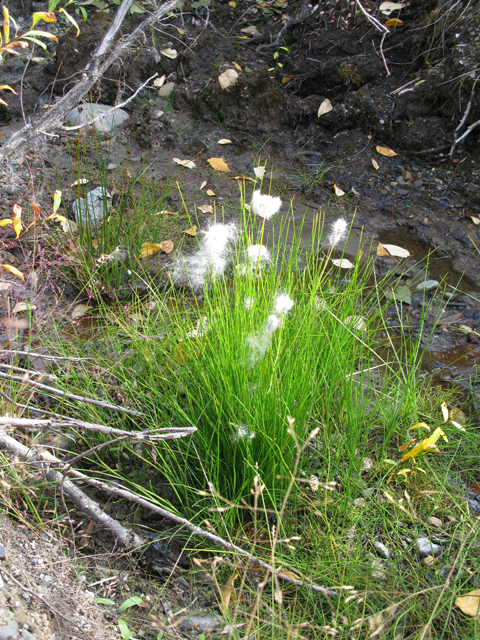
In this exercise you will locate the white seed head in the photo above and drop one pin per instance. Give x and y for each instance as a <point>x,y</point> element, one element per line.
<point>338,233</point>
<point>217,238</point>
<point>258,252</point>
<point>242,432</point>
<point>272,324</point>
<point>283,304</point>
<point>249,303</point>
<point>265,206</point>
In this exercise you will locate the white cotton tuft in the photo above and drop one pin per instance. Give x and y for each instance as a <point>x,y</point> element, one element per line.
<point>283,304</point>
<point>258,252</point>
<point>338,233</point>
<point>265,206</point>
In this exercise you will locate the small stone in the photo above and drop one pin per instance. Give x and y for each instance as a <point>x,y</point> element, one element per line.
<point>167,90</point>
<point>427,285</point>
<point>86,113</point>
<point>426,548</point>
<point>9,631</point>
<point>381,549</point>
<point>93,208</point>
<point>26,635</point>
<point>2,552</point>
<point>435,522</point>
<point>359,502</point>
<point>427,561</point>
<point>400,180</point>
<point>203,623</point>
<point>418,183</point>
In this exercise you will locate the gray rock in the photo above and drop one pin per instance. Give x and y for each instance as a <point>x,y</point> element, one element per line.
<point>426,548</point>
<point>86,113</point>
<point>2,552</point>
<point>26,635</point>
<point>427,285</point>
<point>203,623</point>
<point>9,631</point>
<point>381,549</point>
<point>92,208</point>
<point>167,90</point>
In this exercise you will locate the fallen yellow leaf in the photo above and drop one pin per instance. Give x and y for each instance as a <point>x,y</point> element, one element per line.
<point>189,164</point>
<point>394,22</point>
<point>17,219</point>
<point>338,192</point>
<point>218,164</point>
<point>192,231</point>
<point>151,248</point>
<point>286,79</point>
<point>444,411</point>
<point>210,192</point>
<point>232,4</point>
<point>381,251</point>
<point>237,66</point>
<point>205,208</point>
<point>427,445</point>
<point>421,425</point>
<point>6,222</point>
<point>10,269</point>
<point>385,151</point>
<point>375,164</point>
<point>167,246</point>
<point>469,603</point>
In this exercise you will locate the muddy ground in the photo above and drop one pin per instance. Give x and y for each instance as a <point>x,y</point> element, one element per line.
<point>419,198</point>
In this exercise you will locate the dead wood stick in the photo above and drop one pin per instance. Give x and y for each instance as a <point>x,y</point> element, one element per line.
<point>149,435</point>
<point>45,356</point>
<point>93,72</point>
<point>70,396</point>
<point>42,459</point>
<point>147,504</point>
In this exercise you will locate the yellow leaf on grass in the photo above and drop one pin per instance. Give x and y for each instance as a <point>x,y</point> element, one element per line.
<point>228,591</point>
<point>192,231</point>
<point>17,219</point>
<point>6,222</point>
<point>394,22</point>
<point>232,4</point>
<point>13,270</point>
<point>469,603</point>
<point>445,411</point>
<point>210,192</point>
<point>404,472</point>
<point>426,445</point>
<point>243,37</point>
<point>80,310</point>
<point>165,212</point>
<point>421,425</point>
<point>385,151</point>
<point>205,208</point>
<point>151,248</point>
<point>189,164</point>
<point>218,164</point>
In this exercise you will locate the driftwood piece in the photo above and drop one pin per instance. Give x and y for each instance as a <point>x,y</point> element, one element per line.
<point>93,72</point>
<point>42,459</point>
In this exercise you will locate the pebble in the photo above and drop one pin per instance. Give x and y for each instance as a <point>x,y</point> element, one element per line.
<point>92,207</point>
<point>2,552</point>
<point>167,90</point>
<point>381,549</point>
<point>203,623</point>
<point>86,113</point>
<point>426,548</point>
<point>427,285</point>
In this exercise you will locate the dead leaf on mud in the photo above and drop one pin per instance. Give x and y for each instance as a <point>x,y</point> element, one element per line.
<point>211,193</point>
<point>23,306</point>
<point>228,78</point>
<point>13,270</point>
<point>218,164</point>
<point>475,220</point>
<point>169,53</point>
<point>469,603</point>
<point>251,31</point>
<point>237,66</point>
<point>392,250</point>
<point>17,220</point>
<point>385,151</point>
<point>387,7</point>
<point>189,164</point>
<point>224,141</point>
<point>151,248</point>
<point>205,208</point>
<point>203,184</point>
<point>394,22</point>
<point>287,79</point>
<point>192,231</point>
<point>343,263</point>
<point>375,164</point>
<point>259,172</point>
<point>159,82</point>
<point>79,182</point>
<point>338,192</point>
<point>325,107</point>
<point>165,212</point>
<point>80,310</point>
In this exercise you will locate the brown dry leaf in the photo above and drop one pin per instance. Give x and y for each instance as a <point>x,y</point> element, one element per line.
<point>167,246</point>
<point>151,248</point>
<point>205,208</point>
<point>228,591</point>
<point>224,141</point>
<point>17,219</point>
<point>325,107</point>
<point>80,310</point>
<point>13,270</point>
<point>385,151</point>
<point>228,78</point>
<point>475,487</point>
<point>192,231</point>
<point>469,603</point>
<point>218,164</point>
<point>189,164</point>
<point>237,66</point>
<point>159,82</point>
<point>381,251</point>
<point>169,53</point>
<point>338,192</point>
<point>394,22</point>
<point>375,164</point>
<point>210,192</point>
<point>458,415</point>
<point>286,79</point>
